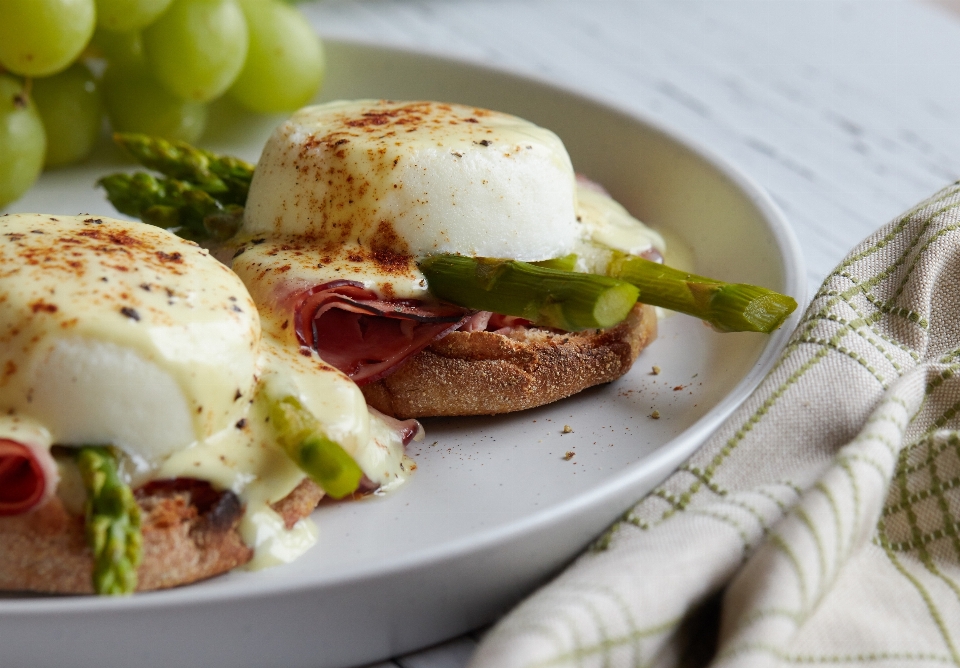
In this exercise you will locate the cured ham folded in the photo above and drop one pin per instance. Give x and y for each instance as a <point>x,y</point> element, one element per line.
<point>368,337</point>
<point>28,477</point>
<point>365,336</point>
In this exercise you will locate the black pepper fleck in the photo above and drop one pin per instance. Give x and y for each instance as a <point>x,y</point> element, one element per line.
<point>130,313</point>
<point>170,257</point>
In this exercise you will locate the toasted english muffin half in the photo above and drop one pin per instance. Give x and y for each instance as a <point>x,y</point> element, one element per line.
<point>190,533</point>
<point>486,373</point>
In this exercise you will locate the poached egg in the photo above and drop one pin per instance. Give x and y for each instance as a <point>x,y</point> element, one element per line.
<point>119,333</point>
<point>360,190</point>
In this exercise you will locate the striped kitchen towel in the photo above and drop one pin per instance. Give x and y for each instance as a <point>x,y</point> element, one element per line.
<point>821,523</point>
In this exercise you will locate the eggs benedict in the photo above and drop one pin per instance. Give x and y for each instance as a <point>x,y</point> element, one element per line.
<point>150,435</point>
<point>349,197</point>
<point>445,257</point>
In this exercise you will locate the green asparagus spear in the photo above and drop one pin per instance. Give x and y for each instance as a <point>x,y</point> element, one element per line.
<point>325,461</point>
<point>205,193</point>
<point>171,203</point>
<point>113,522</point>
<point>728,307</point>
<point>548,297</point>
<point>565,263</point>
<point>225,177</point>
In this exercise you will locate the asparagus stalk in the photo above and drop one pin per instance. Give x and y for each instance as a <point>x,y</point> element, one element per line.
<point>324,460</point>
<point>112,521</point>
<point>728,307</point>
<point>225,177</point>
<point>171,203</point>
<point>204,195</point>
<point>549,297</point>
<point>565,263</point>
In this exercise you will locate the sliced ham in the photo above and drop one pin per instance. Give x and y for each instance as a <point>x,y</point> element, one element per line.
<point>28,477</point>
<point>485,321</point>
<point>364,336</point>
<point>368,338</point>
<point>501,324</point>
<point>653,255</point>
<point>478,322</point>
<point>589,184</point>
<point>408,430</point>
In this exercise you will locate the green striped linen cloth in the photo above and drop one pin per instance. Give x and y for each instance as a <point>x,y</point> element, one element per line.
<point>821,523</point>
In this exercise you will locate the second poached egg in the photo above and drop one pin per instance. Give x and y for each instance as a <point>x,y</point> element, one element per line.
<point>415,179</point>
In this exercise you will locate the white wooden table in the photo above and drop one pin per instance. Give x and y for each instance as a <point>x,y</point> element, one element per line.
<point>846,112</point>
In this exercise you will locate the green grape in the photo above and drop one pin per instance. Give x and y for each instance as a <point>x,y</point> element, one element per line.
<point>197,48</point>
<point>124,15</point>
<point>285,63</point>
<point>42,37</point>
<point>123,48</point>
<point>137,103</point>
<point>22,142</point>
<point>71,110</point>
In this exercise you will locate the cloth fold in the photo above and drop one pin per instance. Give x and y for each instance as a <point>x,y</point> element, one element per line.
<point>821,523</point>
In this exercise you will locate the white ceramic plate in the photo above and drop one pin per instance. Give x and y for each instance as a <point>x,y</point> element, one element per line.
<point>495,508</point>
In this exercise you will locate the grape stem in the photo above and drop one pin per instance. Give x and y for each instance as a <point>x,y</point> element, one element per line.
<point>22,99</point>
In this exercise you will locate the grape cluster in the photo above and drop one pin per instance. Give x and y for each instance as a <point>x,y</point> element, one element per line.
<point>151,65</point>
